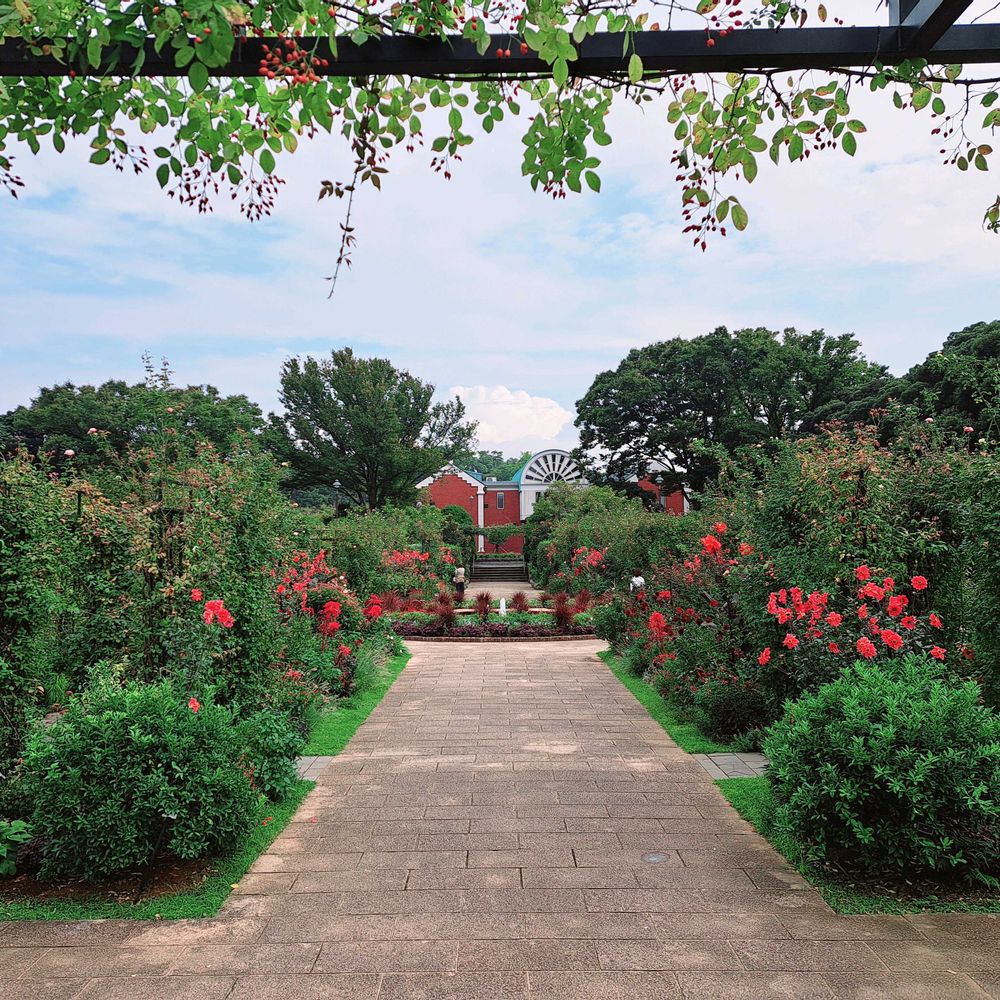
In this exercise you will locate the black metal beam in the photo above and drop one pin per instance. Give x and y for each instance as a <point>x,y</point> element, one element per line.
<point>599,55</point>
<point>925,21</point>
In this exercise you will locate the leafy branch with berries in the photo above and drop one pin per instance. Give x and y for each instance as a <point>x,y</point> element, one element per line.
<point>208,95</point>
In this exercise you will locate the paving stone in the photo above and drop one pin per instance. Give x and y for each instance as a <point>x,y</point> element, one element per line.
<point>888,986</point>
<point>91,963</point>
<point>718,926</point>
<point>268,957</point>
<point>754,986</point>
<point>807,956</point>
<point>336,987</point>
<point>466,878</point>
<point>456,986</point>
<point>14,962</point>
<point>66,934</point>
<point>528,954</point>
<point>158,987</point>
<point>41,989</point>
<point>604,986</point>
<point>382,956</point>
<point>667,955</point>
<point>918,956</point>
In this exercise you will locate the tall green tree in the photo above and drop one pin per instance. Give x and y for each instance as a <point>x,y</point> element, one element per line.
<point>673,409</point>
<point>100,423</point>
<point>493,463</point>
<point>365,423</point>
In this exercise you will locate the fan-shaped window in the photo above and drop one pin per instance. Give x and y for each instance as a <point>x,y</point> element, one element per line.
<point>551,467</point>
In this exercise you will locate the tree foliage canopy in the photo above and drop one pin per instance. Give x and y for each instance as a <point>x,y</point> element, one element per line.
<point>99,424</point>
<point>671,409</point>
<point>365,423</point>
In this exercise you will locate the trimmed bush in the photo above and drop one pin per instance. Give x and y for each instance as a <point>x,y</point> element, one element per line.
<point>125,764</point>
<point>272,746</point>
<point>731,705</point>
<point>891,768</point>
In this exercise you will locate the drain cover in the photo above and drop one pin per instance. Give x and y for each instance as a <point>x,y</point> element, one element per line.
<point>654,858</point>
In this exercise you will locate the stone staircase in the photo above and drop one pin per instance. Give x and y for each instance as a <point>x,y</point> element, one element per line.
<point>486,571</point>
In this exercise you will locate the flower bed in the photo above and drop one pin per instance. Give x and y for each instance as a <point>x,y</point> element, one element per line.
<point>516,625</point>
<point>491,630</point>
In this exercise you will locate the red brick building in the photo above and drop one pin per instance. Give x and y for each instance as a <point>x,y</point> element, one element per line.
<point>492,502</point>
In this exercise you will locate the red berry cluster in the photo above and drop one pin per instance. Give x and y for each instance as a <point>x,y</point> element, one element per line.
<point>290,62</point>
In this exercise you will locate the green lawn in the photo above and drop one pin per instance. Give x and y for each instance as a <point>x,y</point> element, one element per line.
<point>332,731</point>
<point>753,800</point>
<point>203,901</point>
<point>683,732</point>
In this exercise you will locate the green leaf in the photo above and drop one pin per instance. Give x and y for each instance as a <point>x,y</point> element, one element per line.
<point>921,98</point>
<point>100,156</point>
<point>634,68</point>
<point>740,218</point>
<point>198,76</point>
<point>593,181</point>
<point>163,174</point>
<point>849,144</point>
<point>266,160</point>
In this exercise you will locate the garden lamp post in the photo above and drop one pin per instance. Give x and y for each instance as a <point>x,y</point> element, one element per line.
<point>336,498</point>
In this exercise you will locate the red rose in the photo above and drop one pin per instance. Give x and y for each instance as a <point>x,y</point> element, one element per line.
<point>934,620</point>
<point>790,641</point>
<point>833,647</point>
<point>937,652</point>
<point>892,639</point>
<point>720,527</point>
<point>833,619</point>
<point>765,657</point>
<point>919,583</point>
<point>866,648</point>
<point>194,705</point>
<point>711,545</point>
<point>862,573</point>
<point>196,595</point>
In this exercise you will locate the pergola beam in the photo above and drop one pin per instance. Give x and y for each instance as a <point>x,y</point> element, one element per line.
<point>923,22</point>
<point>598,55</point>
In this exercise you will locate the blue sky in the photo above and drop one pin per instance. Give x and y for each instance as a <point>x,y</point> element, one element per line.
<point>480,285</point>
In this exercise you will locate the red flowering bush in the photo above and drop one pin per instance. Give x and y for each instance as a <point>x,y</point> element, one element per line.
<point>812,641</point>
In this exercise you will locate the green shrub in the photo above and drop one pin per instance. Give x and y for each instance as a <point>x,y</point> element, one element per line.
<point>731,706</point>
<point>891,768</point>
<point>610,622</point>
<point>272,746</point>
<point>13,833</point>
<point>125,764</point>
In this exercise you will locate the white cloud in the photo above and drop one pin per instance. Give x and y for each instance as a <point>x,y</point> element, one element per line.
<point>512,420</point>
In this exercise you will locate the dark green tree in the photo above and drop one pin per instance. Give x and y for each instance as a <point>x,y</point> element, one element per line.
<point>674,409</point>
<point>492,463</point>
<point>960,384</point>
<point>365,423</point>
<point>101,423</point>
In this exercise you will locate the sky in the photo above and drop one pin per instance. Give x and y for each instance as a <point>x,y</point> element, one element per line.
<point>479,285</point>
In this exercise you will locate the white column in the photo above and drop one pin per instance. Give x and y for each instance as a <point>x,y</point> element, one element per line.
<point>480,543</point>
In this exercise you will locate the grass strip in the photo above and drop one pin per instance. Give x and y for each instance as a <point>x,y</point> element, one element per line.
<point>203,900</point>
<point>683,732</point>
<point>754,800</point>
<point>332,731</point>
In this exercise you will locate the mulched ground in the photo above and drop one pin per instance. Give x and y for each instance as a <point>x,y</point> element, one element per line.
<point>169,875</point>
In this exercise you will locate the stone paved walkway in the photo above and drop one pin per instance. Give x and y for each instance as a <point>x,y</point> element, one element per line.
<point>511,825</point>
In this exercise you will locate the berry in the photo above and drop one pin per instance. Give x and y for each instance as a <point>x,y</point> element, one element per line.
<point>710,43</point>
<point>524,48</point>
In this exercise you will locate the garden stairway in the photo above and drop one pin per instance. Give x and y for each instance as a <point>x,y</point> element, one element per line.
<point>487,571</point>
<point>510,824</point>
